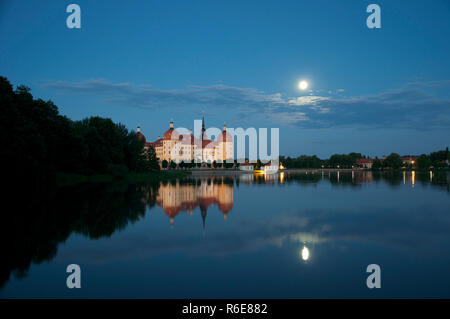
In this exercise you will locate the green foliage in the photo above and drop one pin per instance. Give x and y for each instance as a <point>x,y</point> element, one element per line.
<point>343,160</point>
<point>229,165</point>
<point>423,162</point>
<point>377,163</point>
<point>393,161</point>
<point>438,156</point>
<point>147,161</point>
<point>335,161</point>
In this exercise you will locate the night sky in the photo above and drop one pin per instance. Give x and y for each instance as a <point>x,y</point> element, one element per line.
<point>373,91</point>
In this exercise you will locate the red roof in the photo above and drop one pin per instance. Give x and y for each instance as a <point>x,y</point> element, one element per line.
<point>409,158</point>
<point>156,143</point>
<point>170,134</point>
<point>364,161</point>
<point>207,143</point>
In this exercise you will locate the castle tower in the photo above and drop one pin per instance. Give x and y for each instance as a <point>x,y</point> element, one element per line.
<point>203,128</point>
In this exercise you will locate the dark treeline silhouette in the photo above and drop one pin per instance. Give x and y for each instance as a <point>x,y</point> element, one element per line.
<point>335,161</point>
<point>394,178</point>
<point>33,224</point>
<point>37,141</point>
<point>435,160</point>
<point>37,222</point>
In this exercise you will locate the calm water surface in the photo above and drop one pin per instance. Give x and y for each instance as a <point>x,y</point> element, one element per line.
<point>284,235</point>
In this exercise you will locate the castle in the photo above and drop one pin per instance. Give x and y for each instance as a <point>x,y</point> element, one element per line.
<point>186,148</point>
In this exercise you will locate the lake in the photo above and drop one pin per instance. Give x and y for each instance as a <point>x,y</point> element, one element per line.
<point>288,235</point>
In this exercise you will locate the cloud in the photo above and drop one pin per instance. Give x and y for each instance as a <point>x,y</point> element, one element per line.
<point>413,106</point>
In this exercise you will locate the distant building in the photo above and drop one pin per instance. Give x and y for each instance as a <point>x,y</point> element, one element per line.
<point>246,167</point>
<point>409,160</point>
<point>364,162</point>
<point>270,167</point>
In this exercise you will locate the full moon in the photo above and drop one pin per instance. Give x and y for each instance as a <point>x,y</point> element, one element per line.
<point>303,85</point>
<point>305,253</point>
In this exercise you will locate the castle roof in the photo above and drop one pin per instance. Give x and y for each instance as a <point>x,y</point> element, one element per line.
<point>170,134</point>
<point>364,160</point>
<point>156,143</point>
<point>207,144</point>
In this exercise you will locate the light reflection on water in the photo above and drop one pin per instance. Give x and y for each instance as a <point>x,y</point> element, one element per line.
<point>238,235</point>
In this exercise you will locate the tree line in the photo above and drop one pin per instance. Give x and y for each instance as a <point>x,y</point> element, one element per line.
<point>436,160</point>
<point>38,141</point>
<point>335,161</point>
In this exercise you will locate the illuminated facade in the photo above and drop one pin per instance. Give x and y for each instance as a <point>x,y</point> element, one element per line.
<point>177,147</point>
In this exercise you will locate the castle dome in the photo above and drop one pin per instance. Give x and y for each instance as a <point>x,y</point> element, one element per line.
<point>225,207</point>
<point>139,135</point>
<point>170,134</point>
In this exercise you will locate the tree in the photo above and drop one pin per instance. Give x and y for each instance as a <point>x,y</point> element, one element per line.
<point>393,161</point>
<point>152,159</point>
<point>423,162</point>
<point>165,164</point>
<point>38,142</point>
<point>259,164</point>
<point>147,161</point>
<point>376,163</point>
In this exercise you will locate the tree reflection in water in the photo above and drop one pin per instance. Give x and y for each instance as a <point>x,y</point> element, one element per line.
<point>37,221</point>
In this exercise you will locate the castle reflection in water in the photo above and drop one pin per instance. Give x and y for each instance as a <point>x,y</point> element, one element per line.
<point>204,192</point>
<point>179,197</point>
